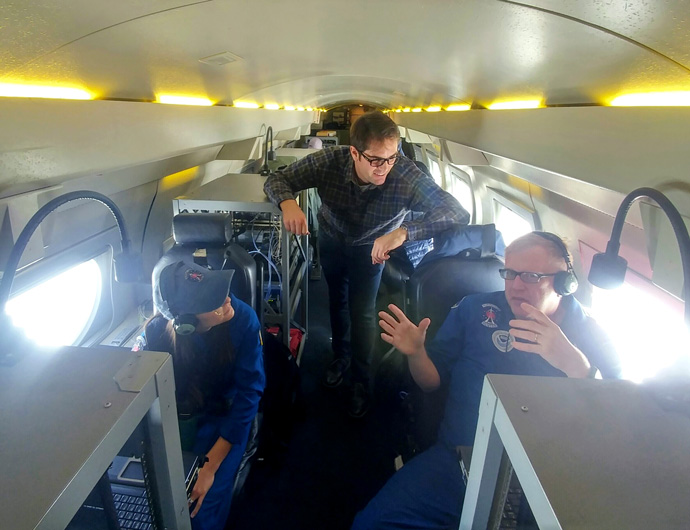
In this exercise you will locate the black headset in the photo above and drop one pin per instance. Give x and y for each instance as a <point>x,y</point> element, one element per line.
<point>565,282</point>
<point>185,324</point>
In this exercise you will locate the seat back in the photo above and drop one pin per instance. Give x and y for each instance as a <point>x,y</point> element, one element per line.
<point>463,262</point>
<point>440,281</point>
<point>203,238</point>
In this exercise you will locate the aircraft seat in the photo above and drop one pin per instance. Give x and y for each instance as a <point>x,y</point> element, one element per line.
<point>463,262</point>
<point>449,273</point>
<point>204,239</point>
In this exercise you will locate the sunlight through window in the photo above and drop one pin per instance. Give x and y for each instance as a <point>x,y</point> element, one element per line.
<point>56,312</point>
<point>648,333</point>
<point>510,224</point>
<point>435,171</point>
<point>461,190</point>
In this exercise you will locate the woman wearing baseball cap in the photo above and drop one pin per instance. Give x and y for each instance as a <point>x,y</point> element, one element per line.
<point>216,345</point>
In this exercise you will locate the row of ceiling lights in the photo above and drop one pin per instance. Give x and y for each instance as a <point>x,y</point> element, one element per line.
<point>675,99</point>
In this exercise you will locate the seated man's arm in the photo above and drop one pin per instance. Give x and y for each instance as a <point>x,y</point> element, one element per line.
<point>409,340</point>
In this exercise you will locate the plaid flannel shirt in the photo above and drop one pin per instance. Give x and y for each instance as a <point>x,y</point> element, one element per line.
<point>358,214</point>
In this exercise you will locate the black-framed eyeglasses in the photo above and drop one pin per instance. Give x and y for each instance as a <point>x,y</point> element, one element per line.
<point>527,277</point>
<point>376,161</point>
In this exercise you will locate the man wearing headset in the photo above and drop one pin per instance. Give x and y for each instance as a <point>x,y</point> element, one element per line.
<point>534,327</point>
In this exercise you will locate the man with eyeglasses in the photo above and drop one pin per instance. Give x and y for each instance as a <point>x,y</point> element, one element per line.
<point>534,327</point>
<point>366,190</point>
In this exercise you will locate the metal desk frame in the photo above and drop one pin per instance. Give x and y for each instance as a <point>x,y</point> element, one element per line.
<point>588,454</point>
<point>64,415</point>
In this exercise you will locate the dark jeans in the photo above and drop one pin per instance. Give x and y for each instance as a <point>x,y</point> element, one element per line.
<point>353,282</point>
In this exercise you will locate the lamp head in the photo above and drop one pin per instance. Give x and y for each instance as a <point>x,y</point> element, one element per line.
<point>608,270</point>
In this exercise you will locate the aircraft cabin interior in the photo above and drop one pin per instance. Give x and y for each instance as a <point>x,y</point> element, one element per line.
<point>137,134</point>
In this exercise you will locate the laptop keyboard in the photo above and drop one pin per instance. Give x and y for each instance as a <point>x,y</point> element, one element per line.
<point>511,509</point>
<point>133,511</point>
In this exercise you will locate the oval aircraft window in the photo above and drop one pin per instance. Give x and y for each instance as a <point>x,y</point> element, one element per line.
<point>56,312</point>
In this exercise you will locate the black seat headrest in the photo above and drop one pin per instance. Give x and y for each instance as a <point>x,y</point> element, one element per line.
<point>207,229</point>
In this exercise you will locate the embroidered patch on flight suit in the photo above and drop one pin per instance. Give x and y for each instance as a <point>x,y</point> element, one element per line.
<point>502,340</point>
<point>490,312</point>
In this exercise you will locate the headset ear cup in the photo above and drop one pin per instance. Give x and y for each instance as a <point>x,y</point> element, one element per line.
<point>185,324</point>
<point>565,283</point>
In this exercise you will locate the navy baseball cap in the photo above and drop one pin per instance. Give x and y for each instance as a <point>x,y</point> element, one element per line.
<point>186,288</point>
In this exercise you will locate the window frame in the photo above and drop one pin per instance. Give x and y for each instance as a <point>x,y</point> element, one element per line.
<point>521,210</point>
<point>453,173</point>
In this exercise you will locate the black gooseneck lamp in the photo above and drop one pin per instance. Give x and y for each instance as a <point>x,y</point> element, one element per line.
<point>608,269</point>
<point>127,264</point>
<point>671,388</point>
<point>269,154</point>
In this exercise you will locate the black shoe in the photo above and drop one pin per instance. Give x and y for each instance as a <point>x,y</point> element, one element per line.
<point>336,372</point>
<point>360,401</point>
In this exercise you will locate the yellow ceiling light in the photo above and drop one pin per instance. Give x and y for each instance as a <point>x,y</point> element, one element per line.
<point>310,109</point>
<point>398,110</point>
<point>523,104</point>
<point>406,109</point>
<point>272,106</point>
<point>12,90</point>
<point>300,108</point>
<point>653,99</point>
<point>245,105</point>
<point>458,107</point>
<point>434,108</point>
<point>289,107</point>
<point>183,100</point>
<point>417,109</point>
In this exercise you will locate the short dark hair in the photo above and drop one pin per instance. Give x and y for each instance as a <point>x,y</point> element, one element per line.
<point>373,126</point>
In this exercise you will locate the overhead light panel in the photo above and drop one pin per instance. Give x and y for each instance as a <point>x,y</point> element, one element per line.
<point>524,104</point>
<point>417,109</point>
<point>272,106</point>
<point>458,107</point>
<point>653,99</point>
<point>433,108</point>
<point>11,90</point>
<point>245,105</point>
<point>289,107</point>
<point>183,100</point>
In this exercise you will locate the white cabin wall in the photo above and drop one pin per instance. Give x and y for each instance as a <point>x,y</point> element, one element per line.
<point>573,166</point>
<point>131,152</point>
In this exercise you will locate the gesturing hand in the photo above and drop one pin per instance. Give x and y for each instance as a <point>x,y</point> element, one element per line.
<point>401,332</point>
<point>544,337</point>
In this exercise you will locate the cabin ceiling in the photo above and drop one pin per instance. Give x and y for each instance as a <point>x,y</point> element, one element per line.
<point>389,53</point>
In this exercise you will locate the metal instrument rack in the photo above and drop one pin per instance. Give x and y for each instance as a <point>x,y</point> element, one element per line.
<point>64,415</point>
<point>588,453</point>
<point>243,192</point>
